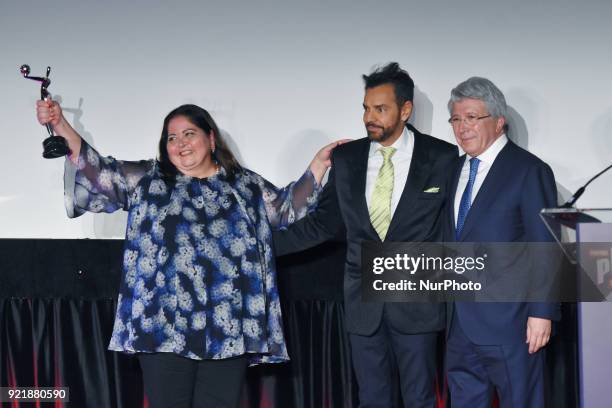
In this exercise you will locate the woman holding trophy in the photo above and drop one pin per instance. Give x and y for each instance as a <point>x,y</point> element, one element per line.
<point>198,299</point>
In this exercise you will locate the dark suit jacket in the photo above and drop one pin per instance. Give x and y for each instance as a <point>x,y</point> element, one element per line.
<point>342,206</point>
<point>506,209</point>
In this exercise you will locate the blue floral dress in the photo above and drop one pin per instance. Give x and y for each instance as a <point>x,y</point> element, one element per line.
<point>199,276</point>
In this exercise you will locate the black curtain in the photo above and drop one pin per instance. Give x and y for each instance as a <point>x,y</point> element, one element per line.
<point>57,303</point>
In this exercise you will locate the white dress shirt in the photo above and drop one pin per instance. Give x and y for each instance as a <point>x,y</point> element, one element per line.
<point>486,161</point>
<point>401,164</point>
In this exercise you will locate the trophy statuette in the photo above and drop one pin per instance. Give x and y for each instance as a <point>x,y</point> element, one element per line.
<point>54,146</point>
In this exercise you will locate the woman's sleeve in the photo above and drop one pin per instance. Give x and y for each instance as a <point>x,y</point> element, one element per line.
<point>100,184</point>
<point>291,203</point>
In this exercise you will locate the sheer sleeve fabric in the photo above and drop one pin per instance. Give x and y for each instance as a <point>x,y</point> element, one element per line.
<point>291,203</point>
<point>100,184</point>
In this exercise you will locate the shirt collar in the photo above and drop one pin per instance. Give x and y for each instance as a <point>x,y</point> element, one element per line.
<point>402,144</point>
<point>489,155</point>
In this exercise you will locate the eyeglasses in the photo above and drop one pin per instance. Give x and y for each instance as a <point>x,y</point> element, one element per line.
<point>470,120</point>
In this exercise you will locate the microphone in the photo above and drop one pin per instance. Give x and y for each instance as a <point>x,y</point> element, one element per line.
<point>580,191</point>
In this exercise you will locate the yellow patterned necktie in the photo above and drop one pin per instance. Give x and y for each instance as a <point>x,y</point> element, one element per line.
<point>380,204</point>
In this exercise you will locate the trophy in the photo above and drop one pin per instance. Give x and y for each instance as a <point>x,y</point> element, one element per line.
<point>55,145</point>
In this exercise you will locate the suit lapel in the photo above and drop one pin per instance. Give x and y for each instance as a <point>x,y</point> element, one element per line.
<point>357,182</point>
<point>499,172</point>
<point>452,192</point>
<point>420,166</point>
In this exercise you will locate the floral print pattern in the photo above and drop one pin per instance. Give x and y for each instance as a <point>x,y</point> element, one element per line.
<point>199,277</point>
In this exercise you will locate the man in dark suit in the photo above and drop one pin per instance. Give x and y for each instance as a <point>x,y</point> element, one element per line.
<point>496,194</point>
<point>386,187</point>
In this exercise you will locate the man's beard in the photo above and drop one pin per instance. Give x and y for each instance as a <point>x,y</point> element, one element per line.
<point>376,137</point>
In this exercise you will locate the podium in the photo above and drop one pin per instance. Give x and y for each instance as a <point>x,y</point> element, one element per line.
<point>585,236</point>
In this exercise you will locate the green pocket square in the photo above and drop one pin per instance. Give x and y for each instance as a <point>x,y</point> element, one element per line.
<point>432,190</point>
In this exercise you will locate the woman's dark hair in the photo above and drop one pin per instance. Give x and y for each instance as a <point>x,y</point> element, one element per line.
<point>202,119</point>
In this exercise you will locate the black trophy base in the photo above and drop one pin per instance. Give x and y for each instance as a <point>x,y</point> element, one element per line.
<point>54,147</point>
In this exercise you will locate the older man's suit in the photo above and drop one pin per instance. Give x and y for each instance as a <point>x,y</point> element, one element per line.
<point>418,217</point>
<point>506,209</point>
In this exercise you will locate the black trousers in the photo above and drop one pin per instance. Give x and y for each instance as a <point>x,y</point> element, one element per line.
<point>414,356</point>
<point>172,381</point>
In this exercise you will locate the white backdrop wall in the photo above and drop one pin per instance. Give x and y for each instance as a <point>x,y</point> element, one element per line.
<point>283,78</point>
